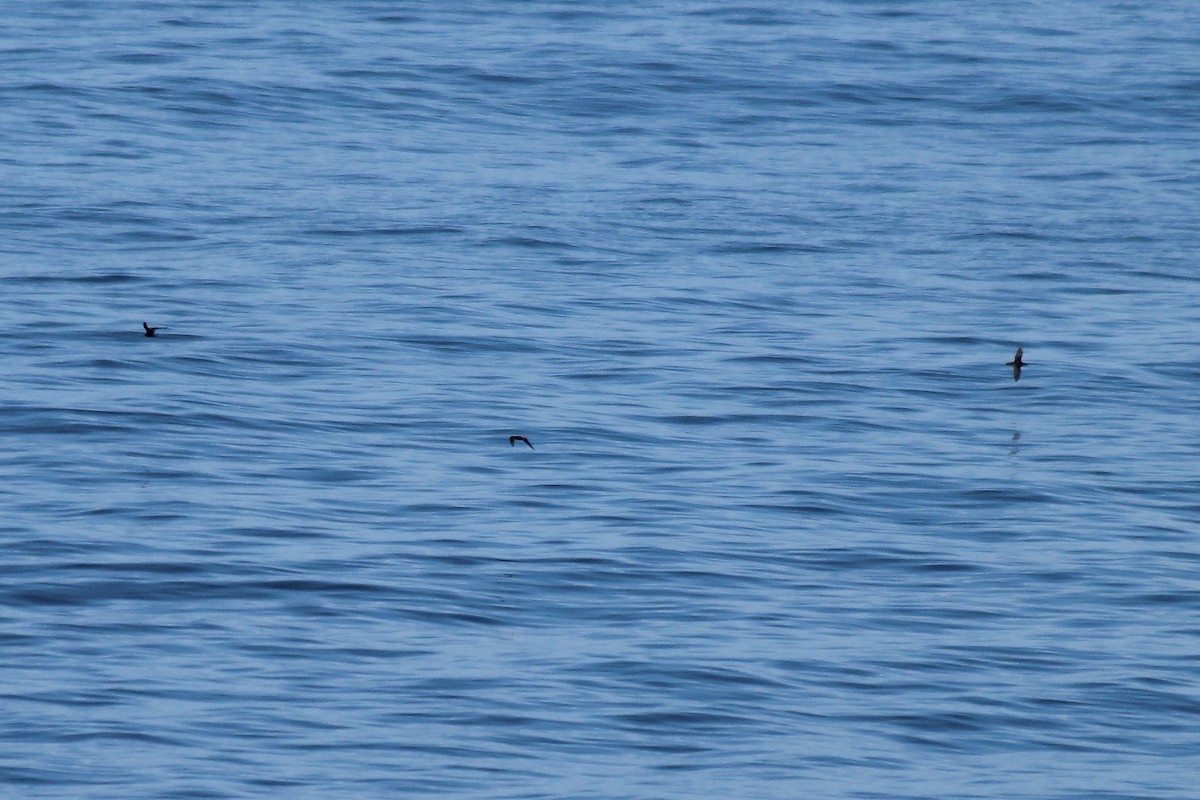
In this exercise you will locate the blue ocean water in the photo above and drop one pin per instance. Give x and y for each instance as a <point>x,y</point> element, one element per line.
<point>746,274</point>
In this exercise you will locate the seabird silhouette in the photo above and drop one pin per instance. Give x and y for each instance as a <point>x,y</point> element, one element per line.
<point>512,441</point>
<point>149,331</point>
<point>1016,364</point>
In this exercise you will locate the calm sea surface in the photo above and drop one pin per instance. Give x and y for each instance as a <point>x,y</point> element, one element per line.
<point>746,274</point>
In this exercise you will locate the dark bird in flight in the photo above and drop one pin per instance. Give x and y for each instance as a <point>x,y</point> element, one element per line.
<point>1016,364</point>
<point>149,331</point>
<point>512,441</point>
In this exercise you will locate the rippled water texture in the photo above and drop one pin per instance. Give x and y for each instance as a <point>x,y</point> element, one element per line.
<point>746,276</point>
